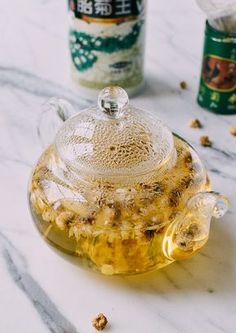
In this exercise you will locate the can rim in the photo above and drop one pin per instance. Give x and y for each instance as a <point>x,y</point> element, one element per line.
<point>219,33</point>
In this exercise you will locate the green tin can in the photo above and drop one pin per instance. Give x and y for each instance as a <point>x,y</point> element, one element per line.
<point>217,91</point>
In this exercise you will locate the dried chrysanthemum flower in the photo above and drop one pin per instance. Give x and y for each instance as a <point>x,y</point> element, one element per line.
<point>100,322</point>
<point>205,141</point>
<point>233,130</point>
<point>63,219</point>
<point>183,85</point>
<point>195,123</point>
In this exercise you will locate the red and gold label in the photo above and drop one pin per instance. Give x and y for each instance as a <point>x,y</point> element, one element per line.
<point>219,73</point>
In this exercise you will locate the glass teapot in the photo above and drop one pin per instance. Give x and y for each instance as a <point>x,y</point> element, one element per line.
<point>120,191</point>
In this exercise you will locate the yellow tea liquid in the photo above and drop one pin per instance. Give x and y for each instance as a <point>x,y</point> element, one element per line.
<point>118,228</point>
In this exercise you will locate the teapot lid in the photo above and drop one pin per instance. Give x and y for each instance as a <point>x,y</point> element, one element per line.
<point>114,138</point>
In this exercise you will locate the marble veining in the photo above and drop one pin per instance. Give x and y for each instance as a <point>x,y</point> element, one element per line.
<point>40,292</point>
<point>47,310</point>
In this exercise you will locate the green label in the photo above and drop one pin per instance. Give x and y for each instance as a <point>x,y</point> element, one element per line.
<point>84,47</point>
<point>217,90</point>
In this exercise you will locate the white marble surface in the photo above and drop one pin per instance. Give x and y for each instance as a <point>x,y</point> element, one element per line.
<point>39,291</point>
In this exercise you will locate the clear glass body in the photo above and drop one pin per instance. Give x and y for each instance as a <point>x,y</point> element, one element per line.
<point>118,228</point>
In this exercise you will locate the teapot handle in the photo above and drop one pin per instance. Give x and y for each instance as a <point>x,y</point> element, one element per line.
<point>54,113</point>
<point>190,231</point>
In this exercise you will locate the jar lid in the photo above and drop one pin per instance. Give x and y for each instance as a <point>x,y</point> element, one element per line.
<point>114,138</point>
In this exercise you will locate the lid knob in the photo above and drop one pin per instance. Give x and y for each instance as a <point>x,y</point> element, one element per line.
<point>113,101</point>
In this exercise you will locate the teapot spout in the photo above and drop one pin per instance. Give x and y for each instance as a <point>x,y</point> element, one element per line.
<point>190,231</point>
<point>209,204</point>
